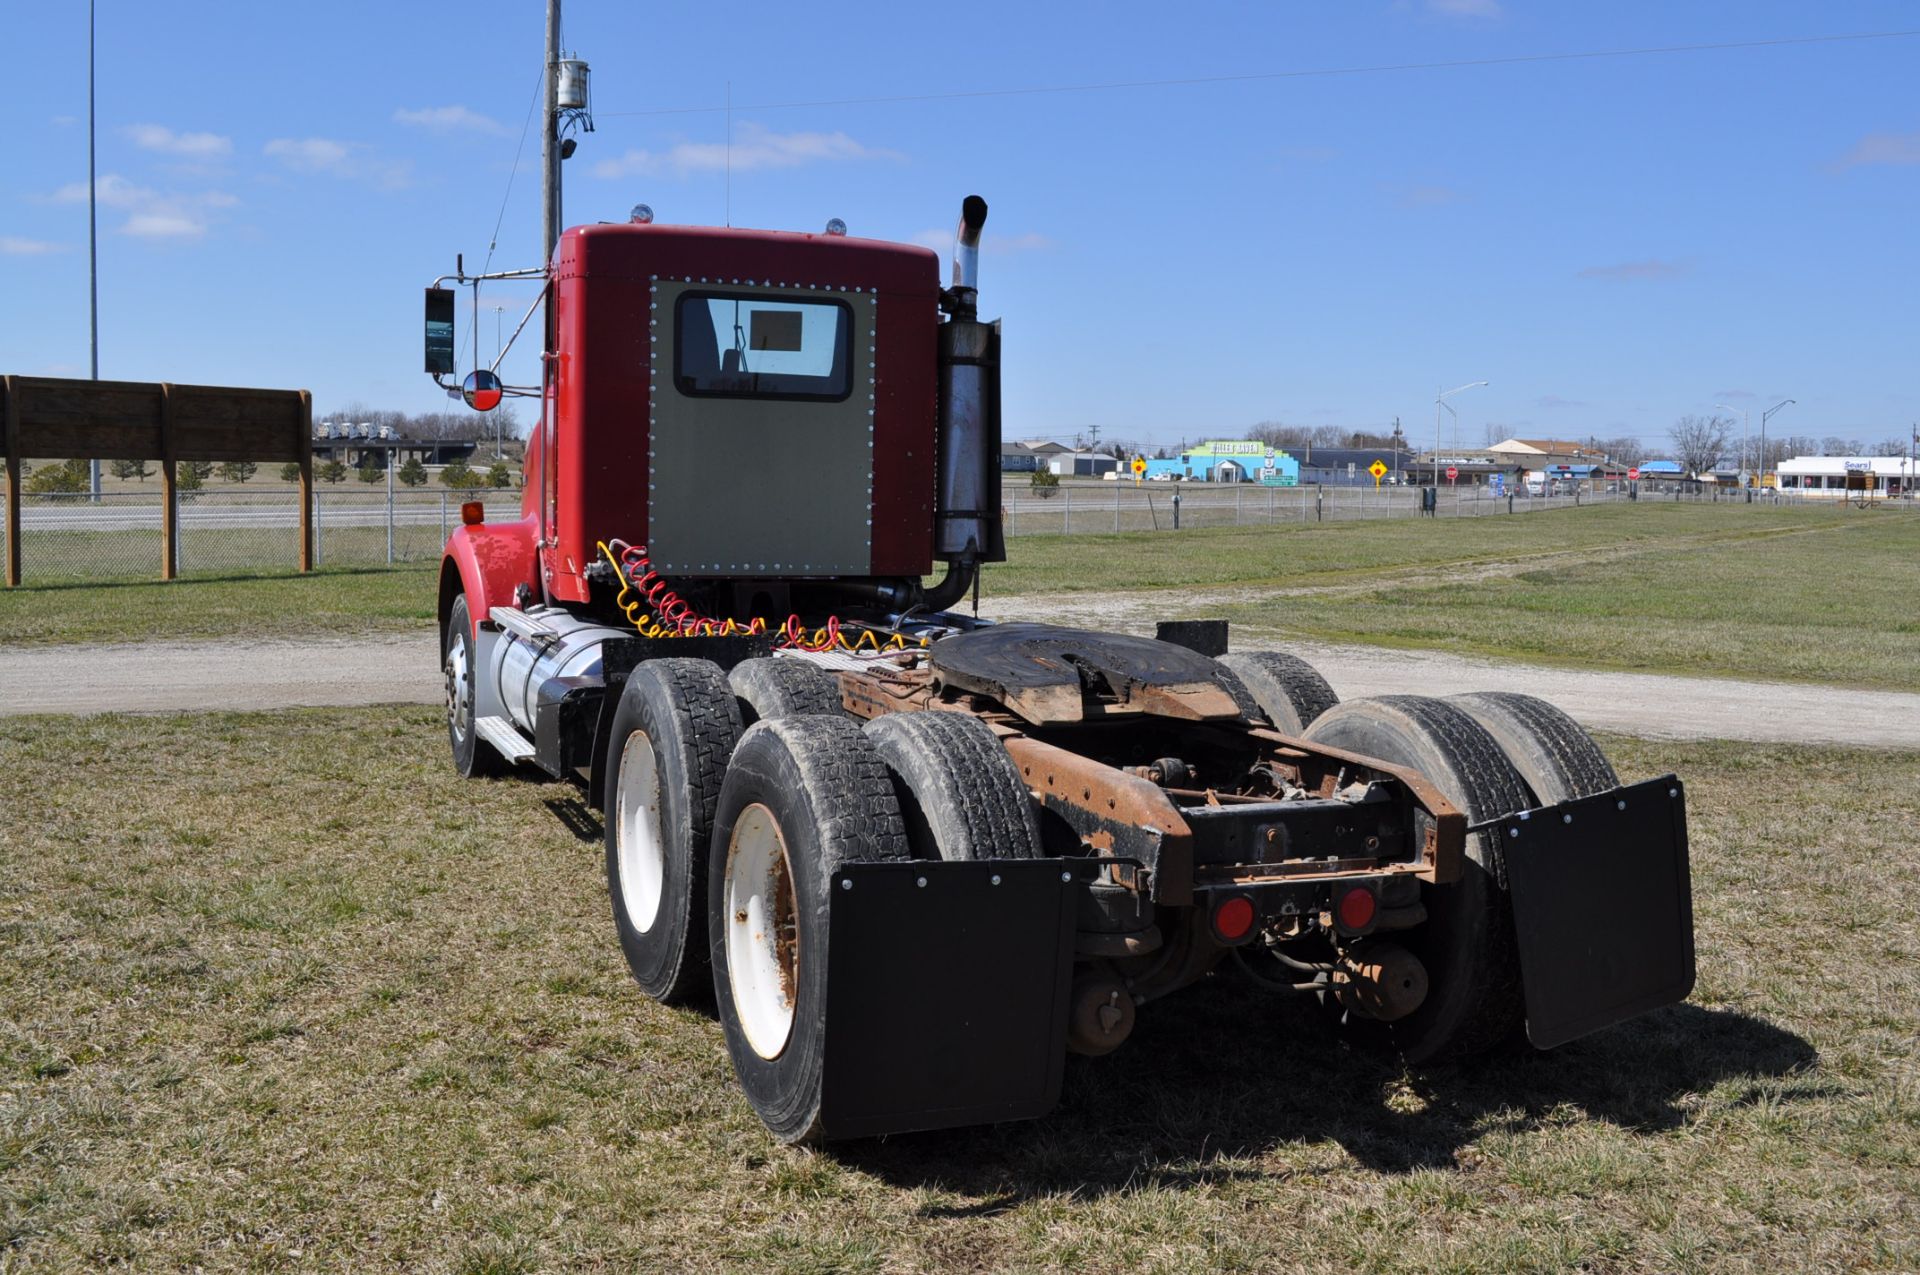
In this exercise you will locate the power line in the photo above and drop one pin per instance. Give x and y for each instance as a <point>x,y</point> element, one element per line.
<point>1313,73</point>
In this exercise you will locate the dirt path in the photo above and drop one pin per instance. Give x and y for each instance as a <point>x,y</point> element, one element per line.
<point>159,677</point>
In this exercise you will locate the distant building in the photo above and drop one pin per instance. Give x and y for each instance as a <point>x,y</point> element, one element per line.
<point>1230,461</point>
<point>357,446</point>
<point>1835,477</point>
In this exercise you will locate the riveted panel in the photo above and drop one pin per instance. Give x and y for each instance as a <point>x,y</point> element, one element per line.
<point>746,485</point>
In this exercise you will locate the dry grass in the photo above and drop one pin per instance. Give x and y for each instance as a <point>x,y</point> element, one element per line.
<point>276,992</point>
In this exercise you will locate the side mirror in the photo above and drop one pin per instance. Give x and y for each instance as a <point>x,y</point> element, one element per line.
<point>440,331</point>
<point>481,390</point>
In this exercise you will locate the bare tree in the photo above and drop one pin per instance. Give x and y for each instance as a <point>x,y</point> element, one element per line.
<point>1624,450</point>
<point>1833,445</point>
<point>1700,441</point>
<point>1890,447</point>
<point>1280,434</point>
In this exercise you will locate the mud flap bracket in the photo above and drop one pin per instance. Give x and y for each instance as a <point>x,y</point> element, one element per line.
<point>946,993</point>
<point>1602,907</point>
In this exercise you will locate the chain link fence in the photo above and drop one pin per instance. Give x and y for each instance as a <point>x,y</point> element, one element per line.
<point>1084,508</point>
<point>68,538</point>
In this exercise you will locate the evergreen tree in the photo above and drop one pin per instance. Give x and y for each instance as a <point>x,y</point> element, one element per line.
<point>131,469</point>
<point>238,471</point>
<point>413,473</point>
<point>332,472</point>
<point>498,475</point>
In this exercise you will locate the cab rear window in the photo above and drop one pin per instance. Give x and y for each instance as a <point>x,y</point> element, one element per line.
<point>741,345</point>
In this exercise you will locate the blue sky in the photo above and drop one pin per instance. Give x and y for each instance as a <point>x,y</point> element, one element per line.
<point>1611,242</point>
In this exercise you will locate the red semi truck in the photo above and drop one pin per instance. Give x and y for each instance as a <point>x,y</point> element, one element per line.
<point>915,858</point>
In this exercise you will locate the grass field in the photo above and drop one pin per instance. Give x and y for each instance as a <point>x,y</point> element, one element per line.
<point>277,992</point>
<point>338,602</point>
<point>1800,593</point>
<point>1795,594</point>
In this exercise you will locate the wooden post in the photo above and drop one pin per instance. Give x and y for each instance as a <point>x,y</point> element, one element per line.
<point>306,479</point>
<point>169,493</point>
<point>12,444</point>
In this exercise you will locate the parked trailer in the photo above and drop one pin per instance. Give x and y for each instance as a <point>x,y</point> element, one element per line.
<point>915,858</point>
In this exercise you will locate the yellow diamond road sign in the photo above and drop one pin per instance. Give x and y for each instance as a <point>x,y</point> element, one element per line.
<point>1139,465</point>
<point>1377,469</point>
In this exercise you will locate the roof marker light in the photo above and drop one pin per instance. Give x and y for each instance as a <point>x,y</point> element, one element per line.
<point>640,216</point>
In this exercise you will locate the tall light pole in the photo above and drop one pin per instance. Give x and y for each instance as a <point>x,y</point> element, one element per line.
<point>1746,429</point>
<point>93,251</point>
<point>1764,417</point>
<point>1440,401</point>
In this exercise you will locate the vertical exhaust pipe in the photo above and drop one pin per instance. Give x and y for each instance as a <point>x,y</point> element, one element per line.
<point>967,512</point>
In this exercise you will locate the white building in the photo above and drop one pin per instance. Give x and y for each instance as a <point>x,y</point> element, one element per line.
<point>1826,476</point>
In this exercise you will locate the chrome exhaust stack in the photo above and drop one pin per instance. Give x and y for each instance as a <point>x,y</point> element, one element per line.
<point>967,496</point>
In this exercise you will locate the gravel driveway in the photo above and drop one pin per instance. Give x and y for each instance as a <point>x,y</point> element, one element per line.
<point>158,677</point>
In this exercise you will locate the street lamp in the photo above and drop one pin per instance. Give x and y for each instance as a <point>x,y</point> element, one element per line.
<point>1764,417</point>
<point>1746,428</point>
<point>1440,401</point>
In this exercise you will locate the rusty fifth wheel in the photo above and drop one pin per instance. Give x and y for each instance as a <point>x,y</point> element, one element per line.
<point>803,796</point>
<point>672,733</point>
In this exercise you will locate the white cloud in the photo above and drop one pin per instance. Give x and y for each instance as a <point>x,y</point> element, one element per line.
<point>14,246</point>
<point>327,157</point>
<point>311,154</point>
<point>1651,270</point>
<point>1882,148</point>
<point>451,119</point>
<point>754,147</point>
<point>110,189</point>
<point>151,214</point>
<point>1465,8</point>
<point>164,225</point>
<point>158,137</point>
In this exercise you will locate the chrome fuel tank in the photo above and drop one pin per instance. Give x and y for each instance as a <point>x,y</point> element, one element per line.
<point>516,664</point>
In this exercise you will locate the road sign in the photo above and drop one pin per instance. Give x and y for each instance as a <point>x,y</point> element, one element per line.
<point>1634,472</point>
<point>1139,465</point>
<point>1378,469</point>
<point>1453,472</point>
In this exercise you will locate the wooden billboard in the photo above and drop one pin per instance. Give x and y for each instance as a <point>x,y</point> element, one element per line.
<point>140,420</point>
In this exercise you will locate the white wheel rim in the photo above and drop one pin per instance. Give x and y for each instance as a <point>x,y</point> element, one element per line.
<point>763,936</point>
<point>643,861</point>
<point>458,707</point>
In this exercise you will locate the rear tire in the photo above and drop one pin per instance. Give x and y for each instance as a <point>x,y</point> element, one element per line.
<point>770,687</point>
<point>673,731</point>
<point>1553,754</point>
<point>803,796</point>
<point>1466,942</point>
<point>1289,691</point>
<point>473,757</point>
<point>960,794</point>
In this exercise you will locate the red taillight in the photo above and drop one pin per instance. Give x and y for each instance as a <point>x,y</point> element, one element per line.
<point>1355,909</point>
<point>1233,918</point>
<point>473,513</point>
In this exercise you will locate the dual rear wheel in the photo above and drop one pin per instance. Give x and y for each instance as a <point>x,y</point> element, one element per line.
<point>722,844</point>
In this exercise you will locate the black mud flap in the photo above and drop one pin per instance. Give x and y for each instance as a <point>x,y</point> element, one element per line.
<point>946,994</point>
<point>1602,907</point>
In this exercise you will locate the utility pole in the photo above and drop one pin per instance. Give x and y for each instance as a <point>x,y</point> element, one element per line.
<point>1763,436</point>
<point>93,250</point>
<point>550,144</point>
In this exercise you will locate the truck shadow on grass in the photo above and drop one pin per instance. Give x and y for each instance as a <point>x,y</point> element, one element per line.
<point>1221,1075</point>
